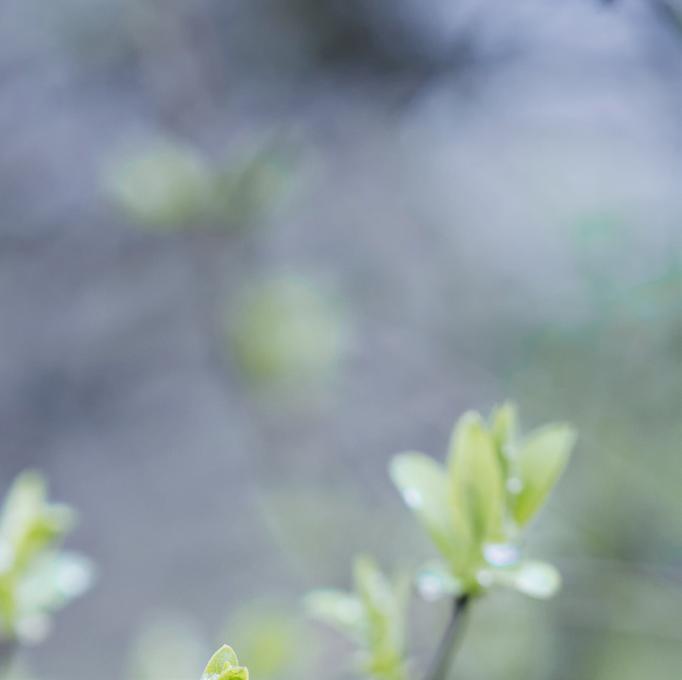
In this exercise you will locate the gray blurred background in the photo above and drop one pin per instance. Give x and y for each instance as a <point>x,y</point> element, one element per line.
<point>249,249</point>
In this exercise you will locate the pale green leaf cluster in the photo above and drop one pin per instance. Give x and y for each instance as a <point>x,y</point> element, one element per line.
<point>476,505</point>
<point>224,665</point>
<point>165,185</point>
<point>36,578</point>
<point>170,185</point>
<point>286,332</point>
<point>373,616</point>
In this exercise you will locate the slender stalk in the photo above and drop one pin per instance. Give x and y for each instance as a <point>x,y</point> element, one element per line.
<point>446,649</point>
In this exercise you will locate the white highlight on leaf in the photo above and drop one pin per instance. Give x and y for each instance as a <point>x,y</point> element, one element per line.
<point>514,485</point>
<point>501,554</point>
<point>413,498</point>
<point>485,578</point>
<point>33,629</point>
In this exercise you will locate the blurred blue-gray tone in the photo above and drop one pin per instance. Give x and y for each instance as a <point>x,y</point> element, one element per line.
<point>439,204</point>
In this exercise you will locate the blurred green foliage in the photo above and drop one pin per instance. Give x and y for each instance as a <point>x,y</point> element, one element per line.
<point>475,508</point>
<point>166,186</point>
<point>37,577</point>
<point>286,333</point>
<point>608,355</point>
<point>170,185</point>
<point>374,616</point>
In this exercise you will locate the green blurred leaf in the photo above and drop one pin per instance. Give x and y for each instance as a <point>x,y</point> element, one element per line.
<point>337,609</point>
<point>537,579</point>
<point>54,580</point>
<point>384,607</point>
<point>379,601</point>
<point>473,511</point>
<point>540,460</point>
<point>287,332</point>
<point>375,618</point>
<point>533,578</point>
<point>165,185</point>
<point>29,524</point>
<point>426,490</point>
<point>504,427</point>
<point>476,478</point>
<point>35,578</point>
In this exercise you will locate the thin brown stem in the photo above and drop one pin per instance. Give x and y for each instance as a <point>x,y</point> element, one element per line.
<point>447,647</point>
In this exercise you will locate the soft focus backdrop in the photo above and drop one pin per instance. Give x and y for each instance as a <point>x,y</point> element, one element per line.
<point>249,249</point>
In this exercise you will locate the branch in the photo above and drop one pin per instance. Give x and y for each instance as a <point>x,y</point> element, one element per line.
<point>443,661</point>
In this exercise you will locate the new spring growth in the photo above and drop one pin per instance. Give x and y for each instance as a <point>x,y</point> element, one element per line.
<point>373,617</point>
<point>476,506</point>
<point>224,665</point>
<point>36,576</point>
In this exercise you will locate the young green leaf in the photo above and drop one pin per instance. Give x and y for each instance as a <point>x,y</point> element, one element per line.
<point>337,609</point>
<point>165,185</point>
<point>51,581</point>
<point>29,523</point>
<point>540,460</point>
<point>425,487</point>
<point>533,578</point>
<point>537,579</point>
<point>504,427</point>
<point>36,578</point>
<point>287,332</point>
<point>384,618</point>
<point>476,478</point>
<point>224,665</point>
<point>374,617</point>
<point>372,586</point>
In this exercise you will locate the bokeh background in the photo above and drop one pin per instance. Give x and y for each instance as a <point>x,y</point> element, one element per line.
<point>249,249</point>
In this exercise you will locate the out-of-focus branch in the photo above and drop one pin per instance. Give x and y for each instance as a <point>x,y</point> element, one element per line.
<point>446,650</point>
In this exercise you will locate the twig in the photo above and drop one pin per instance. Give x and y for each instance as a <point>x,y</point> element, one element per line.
<point>443,661</point>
